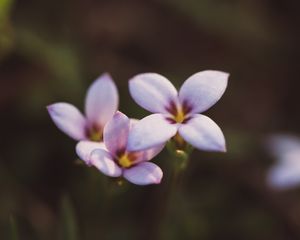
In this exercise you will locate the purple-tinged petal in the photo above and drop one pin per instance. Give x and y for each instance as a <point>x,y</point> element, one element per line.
<point>144,173</point>
<point>85,148</point>
<point>102,160</point>
<point>203,89</point>
<point>152,92</point>
<point>147,155</point>
<point>68,119</point>
<point>101,101</point>
<point>203,133</point>
<point>115,133</point>
<point>284,176</point>
<point>152,152</point>
<point>149,132</point>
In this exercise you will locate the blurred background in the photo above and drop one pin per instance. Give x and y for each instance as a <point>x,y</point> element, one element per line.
<point>52,51</point>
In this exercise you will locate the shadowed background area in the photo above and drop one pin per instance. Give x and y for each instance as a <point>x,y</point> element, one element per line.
<point>51,51</point>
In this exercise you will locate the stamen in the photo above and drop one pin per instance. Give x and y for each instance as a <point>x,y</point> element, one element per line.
<point>95,136</point>
<point>94,133</point>
<point>124,161</point>
<point>180,116</point>
<point>178,113</point>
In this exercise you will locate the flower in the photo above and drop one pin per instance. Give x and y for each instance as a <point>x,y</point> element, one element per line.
<point>100,105</point>
<point>176,114</point>
<point>285,173</point>
<point>118,161</point>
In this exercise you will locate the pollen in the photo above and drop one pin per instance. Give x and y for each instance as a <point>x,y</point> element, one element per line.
<point>124,161</point>
<point>180,116</point>
<point>95,136</point>
<point>95,133</point>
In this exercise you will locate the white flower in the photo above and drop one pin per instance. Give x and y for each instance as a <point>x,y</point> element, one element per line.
<point>101,103</point>
<point>178,112</point>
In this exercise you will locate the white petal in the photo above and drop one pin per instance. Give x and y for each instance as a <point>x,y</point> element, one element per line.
<point>133,121</point>
<point>149,132</point>
<point>101,101</point>
<point>145,155</point>
<point>203,89</point>
<point>85,148</point>
<point>284,147</point>
<point>102,160</point>
<point>203,133</point>
<point>283,176</point>
<point>68,119</point>
<point>115,133</point>
<point>152,92</point>
<point>143,174</point>
<point>152,152</point>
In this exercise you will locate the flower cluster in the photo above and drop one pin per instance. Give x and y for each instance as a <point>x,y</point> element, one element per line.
<point>119,146</point>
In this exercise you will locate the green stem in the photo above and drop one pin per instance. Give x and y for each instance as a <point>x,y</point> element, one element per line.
<point>179,159</point>
<point>13,228</point>
<point>181,155</point>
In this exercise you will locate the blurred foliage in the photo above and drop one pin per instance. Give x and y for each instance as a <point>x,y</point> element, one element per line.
<point>59,58</point>
<point>68,221</point>
<point>14,229</point>
<point>6,32</point>
<point>52,50</point>
<point>240,20</point>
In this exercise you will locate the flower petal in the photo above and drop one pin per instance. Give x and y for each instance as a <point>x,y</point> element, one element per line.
<point>101,101</point>
<point>85,148</point>
<point>133,121</point>
<point>152,152</point>
<point>102,160</point>
<point>115,133</point>
<point>152,92</point>
<point>144,173</point>
<point>203,133</point>
<point>283,176</point>
<point>68,119</point>
<point>203,89</point>
<point>284,147</point>
<point>149,132</point>
<point>146,155</point>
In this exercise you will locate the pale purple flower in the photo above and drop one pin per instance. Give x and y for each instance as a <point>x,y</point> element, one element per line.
<point>101,103</point>
<point>285,173</point>
<point>118,161</point>
<point>177,113</point>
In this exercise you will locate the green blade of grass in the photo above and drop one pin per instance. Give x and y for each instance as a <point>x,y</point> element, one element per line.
<point>68,220</point>
<point>13,228</point>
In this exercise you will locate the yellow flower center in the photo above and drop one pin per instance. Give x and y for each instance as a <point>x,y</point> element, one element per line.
<point>180,116</point>
<point>124,161</point>
<point>95,136</point>
<point>94,133</point>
